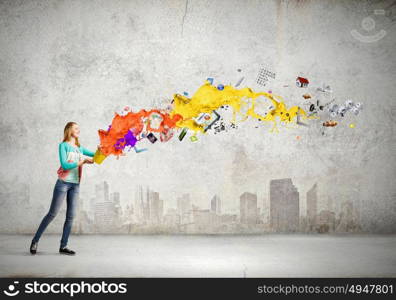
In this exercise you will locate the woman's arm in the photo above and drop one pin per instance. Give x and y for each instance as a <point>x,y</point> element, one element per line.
<point>63,158</point>
<point>87,152</point>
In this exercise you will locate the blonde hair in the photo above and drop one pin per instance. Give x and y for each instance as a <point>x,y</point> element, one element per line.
<point>67,133</point>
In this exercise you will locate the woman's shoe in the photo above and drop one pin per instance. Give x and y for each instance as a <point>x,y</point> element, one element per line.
<point>66,250</point>
<point>33,247</point>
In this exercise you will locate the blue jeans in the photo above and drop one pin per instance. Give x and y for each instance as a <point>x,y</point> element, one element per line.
<point>61,189</point>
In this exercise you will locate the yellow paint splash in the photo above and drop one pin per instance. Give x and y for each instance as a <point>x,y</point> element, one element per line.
<point>208,98</point>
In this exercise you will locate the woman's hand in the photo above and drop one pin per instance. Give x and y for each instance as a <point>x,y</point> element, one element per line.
<point>85,161</point>
<point>88,161</point>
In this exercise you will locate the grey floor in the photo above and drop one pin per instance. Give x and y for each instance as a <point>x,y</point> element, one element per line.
<point>202,256</point>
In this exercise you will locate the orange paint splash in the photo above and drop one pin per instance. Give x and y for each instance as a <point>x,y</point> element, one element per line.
<point>134,122</point>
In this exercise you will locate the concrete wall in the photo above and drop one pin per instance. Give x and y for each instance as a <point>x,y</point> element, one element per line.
<point>81,61</point>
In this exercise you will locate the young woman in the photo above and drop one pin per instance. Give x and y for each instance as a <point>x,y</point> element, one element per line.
<point>71,156</point>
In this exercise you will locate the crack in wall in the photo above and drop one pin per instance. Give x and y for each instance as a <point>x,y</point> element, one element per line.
<point>184,17</point>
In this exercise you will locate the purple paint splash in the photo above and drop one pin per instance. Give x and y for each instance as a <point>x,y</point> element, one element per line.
<point>128,140</point>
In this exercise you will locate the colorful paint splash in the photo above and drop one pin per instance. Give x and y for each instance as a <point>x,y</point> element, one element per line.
<point>125,130</point>
<point>194,114</point>
<point>208,98</point>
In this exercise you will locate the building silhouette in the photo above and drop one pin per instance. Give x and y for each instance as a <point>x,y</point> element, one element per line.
<point>171,218</point>
<point>115,199</point>
<point>330,203</point>
<point>312,207</point>
<point>102,192</point>
<point>248,208</point>
<point>348,221</point>
<point>155,208</point>
<point>161,210</point>
<point>326,221</point>
<point>184,208</point>
<point>105,216</point>
<point>284,206</point>
<point>141,204</point>
<point>215,205</point>
<point>202,219</point>
<point>101,195</point>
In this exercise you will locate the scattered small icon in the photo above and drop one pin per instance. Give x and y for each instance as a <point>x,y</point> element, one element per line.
<point>263,75</point>
<point>330,123</point>
<point>302,82</point>
<point>239,81</point>
<point>183,134</point>
<point>151,137</point>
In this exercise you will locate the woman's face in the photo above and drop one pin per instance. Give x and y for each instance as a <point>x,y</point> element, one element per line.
<point>75,131</point>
